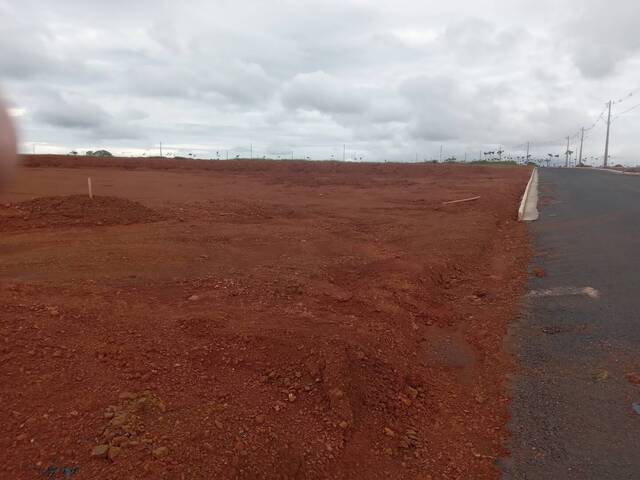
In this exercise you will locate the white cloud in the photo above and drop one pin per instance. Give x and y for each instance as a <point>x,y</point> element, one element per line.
<point>389,79</point>
<point>325,93</point>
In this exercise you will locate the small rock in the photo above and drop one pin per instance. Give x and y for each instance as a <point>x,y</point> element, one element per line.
<point>633,378</point>
<point>413,393</point>
<point>21,437</point>
<point>194,298</point>
<point>412,434</point>
<point>218,424</point>
<point>119,419</point>
<point>388,432</point>
<point>160,452</point>
<point>539,272</point>
<point>100,451</point>
<point>343,424</point>
<point>336,392</point>
<point>113,452</point>
<point>404,444</point>
<point>292,397</point>
<point>600,375</point>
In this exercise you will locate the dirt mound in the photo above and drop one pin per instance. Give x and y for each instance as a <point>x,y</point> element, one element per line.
<point>74,210</point>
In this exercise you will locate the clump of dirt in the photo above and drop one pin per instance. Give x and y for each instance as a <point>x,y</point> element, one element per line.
<point>539,272</point>
<point>74,210</point>
<point>127,427</point>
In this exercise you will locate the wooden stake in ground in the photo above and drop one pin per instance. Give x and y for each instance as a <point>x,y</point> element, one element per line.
<point>461,201</point>
<point>90,188</point>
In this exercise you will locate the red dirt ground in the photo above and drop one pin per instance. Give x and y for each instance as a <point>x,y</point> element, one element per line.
<point>257,320</point>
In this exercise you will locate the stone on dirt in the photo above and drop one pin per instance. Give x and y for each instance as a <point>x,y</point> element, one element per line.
<point>160,452</point>
<point>100,451</point>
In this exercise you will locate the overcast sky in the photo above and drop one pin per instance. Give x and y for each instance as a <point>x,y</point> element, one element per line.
<point>391,80</point>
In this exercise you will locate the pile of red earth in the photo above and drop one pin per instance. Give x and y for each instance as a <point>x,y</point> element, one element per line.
<point>74,210</point>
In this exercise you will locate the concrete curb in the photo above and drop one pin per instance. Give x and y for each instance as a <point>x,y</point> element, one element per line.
<point>528,211</point>
<point>608,170</point>
<point>616,171</point>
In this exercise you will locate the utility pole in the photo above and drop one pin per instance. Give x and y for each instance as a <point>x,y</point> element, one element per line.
<point>251,151</point>
<point>581,142</point>
<point>566,155</point>
<point>344,152</point>
<point>606,145</point>
<point>440,153</point>
<point>465,156</point>
<point>160,149</point>
<point>526,159</point>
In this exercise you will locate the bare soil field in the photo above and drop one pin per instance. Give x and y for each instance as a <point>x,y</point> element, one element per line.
<point>292,320</point>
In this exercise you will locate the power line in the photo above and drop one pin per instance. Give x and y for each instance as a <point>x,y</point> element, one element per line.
<point>601,118</point>
<point>598,120</point>
<point>627,96</point>
<point>626,111</point>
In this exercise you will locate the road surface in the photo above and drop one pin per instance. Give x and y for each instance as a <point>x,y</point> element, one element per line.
<point>578,341</point>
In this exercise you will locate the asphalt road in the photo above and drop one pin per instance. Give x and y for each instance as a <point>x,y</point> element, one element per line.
<point>572,415</point>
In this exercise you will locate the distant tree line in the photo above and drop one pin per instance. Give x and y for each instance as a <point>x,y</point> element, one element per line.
<point>94,153</point>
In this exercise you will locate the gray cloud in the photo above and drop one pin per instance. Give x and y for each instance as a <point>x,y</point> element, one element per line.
<point>322,92</point>
<point>71,113</point>
<point>389,80</point>
<point>89,120</point>
<point>602,35</point>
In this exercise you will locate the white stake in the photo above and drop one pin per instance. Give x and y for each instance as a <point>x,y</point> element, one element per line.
<point>90,188</point>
